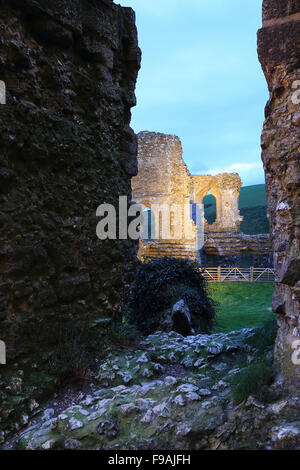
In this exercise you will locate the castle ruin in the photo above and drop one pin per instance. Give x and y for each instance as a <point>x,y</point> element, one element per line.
<point>163,181</point>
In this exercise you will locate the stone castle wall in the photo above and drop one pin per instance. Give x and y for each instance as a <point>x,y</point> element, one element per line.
<point>70,69</point>
<point>279,54</point>
<point>163,178</point>
<point>225,187</point>
<point>228,249</point>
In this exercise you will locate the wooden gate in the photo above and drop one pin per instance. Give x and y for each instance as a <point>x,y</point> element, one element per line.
<point>220,274</point>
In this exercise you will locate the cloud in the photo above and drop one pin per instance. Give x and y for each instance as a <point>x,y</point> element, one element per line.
<point>250,173</point>
<point>236,168</point>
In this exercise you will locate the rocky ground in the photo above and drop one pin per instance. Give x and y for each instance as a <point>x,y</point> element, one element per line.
<point>171,392</point>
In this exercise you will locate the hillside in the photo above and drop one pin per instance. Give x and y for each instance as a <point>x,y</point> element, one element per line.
<point>252,196</point>
<point>252,205</point>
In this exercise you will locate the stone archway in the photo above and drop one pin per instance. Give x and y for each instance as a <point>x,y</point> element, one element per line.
<point>210,208</point>
<point>225,187</point>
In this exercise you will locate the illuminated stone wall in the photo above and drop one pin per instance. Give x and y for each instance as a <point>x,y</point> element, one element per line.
<point>225,188</point>
<point>165,186</point>
<point>163,180</point>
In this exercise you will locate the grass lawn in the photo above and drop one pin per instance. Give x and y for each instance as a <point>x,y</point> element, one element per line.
<point>241,304</point>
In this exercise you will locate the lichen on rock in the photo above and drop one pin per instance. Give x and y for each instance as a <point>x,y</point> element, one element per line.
<point>191,410</point>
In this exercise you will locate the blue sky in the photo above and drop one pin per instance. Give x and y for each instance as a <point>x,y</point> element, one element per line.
<point>201,80</point>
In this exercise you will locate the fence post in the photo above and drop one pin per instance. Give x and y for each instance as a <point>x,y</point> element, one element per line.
<point>219,273</point>
<point>251,274</point>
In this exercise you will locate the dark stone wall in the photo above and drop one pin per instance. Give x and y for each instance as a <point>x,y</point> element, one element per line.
<point>279,54</point>
<point>244,260</point>
<point>235,249</point>
<point>273,9</point>
<point>70,67</point>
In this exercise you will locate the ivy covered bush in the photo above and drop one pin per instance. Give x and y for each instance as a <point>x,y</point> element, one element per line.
<point>159,285</point>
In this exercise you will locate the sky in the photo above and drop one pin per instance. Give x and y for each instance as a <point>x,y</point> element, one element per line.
<point>201,80</point>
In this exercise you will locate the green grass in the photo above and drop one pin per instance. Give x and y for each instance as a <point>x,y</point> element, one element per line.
<point>253,380</point>
<point>241,304</point>
<point>252,205</point>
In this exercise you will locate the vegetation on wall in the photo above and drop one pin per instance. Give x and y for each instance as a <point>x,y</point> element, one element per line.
<point>255,378</point>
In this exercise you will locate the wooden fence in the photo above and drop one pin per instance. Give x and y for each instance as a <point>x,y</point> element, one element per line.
<point>220,274</point>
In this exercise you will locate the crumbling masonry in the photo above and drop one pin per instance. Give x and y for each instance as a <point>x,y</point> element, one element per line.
<point>70,69</point>
<point>163,180</point>
<point>279,53</point>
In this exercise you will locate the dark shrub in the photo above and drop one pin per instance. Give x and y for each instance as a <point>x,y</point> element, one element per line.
<point>159,285</point>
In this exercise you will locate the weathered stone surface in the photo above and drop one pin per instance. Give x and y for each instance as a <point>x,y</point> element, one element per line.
<point>65,129</point>
<point>165,186</point>
<point>274,9</point>
<point>228,249</point>
<point>178,319</point>
<point>159,411</point>
<point>70,69</point>
<point>279,54</point>
<point>181,317</point>
<point>225,187</point>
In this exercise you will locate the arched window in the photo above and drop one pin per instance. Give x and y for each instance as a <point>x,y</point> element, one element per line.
<point>210,208</point>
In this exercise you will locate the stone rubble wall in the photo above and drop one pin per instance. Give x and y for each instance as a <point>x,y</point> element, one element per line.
<point>279,54</point>
<point>228,249</point>
<point>164,180</point>
<point>171,393</point>
<point>70,68</point>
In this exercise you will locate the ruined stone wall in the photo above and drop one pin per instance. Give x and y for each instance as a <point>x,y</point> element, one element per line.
<point>162,173</point>
<point>279,54</point>
<point>225,187</point>
<point>155,154</point>
<point>70,67</point>
<point>229,249</point>
<point>163,179</point>
<point>164,185</point>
